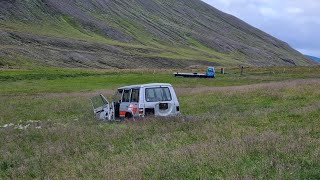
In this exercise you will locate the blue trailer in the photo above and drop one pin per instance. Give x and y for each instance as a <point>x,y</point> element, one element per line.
<point>210,73</point>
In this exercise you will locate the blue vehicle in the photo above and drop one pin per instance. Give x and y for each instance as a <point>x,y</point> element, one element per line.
<point>210,73</point>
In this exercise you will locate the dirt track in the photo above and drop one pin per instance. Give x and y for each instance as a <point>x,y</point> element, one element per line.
<point>252,87</point>
<point>274,86</point>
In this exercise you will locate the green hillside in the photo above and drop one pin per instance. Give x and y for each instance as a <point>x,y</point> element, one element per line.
<point>132,34</point>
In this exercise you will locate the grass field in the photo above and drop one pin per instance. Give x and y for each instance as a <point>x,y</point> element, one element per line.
<point>263,124</point>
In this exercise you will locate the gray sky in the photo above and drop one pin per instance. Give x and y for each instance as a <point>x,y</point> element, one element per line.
<point>294,21</point>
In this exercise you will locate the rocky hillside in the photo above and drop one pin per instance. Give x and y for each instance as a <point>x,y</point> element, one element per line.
<point>133,34</point>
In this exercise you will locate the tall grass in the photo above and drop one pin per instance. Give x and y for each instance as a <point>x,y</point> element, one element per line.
<point>257,131</point>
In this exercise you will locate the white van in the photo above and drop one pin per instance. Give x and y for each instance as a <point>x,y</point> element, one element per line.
<point>158,99</point>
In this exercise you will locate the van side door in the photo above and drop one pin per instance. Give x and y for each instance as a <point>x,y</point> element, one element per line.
<point>125,102</point>
<point>130,102</point>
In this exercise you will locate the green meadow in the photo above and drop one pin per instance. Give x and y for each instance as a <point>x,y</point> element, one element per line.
<point>263,124</point>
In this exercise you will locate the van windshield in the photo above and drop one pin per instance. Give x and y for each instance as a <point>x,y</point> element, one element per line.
<point>158,94</point>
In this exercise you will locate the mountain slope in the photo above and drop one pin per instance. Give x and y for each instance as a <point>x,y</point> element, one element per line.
<point>314,58</point>
<point>133,34</point>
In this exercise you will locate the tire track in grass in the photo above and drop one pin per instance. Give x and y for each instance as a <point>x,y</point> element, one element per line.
<point>196,90</point>
<point>274,86</point>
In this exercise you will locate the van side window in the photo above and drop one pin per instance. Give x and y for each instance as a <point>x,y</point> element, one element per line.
<point>135,95</point>
<point>126,96</point>
<point>117,96</point>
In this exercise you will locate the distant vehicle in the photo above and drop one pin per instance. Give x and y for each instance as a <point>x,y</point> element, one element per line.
<point>157,99</point>
<point>210,73</point>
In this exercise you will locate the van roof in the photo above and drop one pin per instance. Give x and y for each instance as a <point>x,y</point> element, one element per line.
<point>146,85</point>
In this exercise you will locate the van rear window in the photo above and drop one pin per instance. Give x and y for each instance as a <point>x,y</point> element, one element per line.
<point>158,94</point>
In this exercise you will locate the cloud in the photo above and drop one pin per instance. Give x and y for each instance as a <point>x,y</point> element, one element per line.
<point>294,10</point>
<point>293,21</point>
<point>266,11</point>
